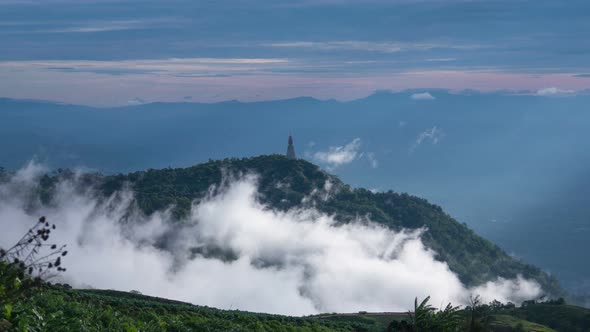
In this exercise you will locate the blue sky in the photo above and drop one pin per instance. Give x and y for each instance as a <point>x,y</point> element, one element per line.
<point>125,51</point>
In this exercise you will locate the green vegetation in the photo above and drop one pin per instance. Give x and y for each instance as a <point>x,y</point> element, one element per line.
<point>22,267</point>
<point>284,183</point>
<point>57,308</point>
<point>555,314</point>
<point>496,317</point>
<point>381,320</point>
<point>427,318</point>
<point>510,323</point>
<point>54,308</point>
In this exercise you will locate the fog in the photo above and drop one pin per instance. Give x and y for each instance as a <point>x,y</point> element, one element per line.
<point>233,252</point>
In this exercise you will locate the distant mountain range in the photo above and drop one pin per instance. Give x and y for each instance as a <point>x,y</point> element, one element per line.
<point>510,166</point>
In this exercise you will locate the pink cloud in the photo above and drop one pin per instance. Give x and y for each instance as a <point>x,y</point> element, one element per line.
<point>107,90</point>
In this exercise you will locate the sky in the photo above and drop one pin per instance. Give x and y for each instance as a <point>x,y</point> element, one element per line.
<point>121,52</point>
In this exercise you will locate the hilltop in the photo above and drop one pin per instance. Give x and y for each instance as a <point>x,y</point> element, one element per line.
<point>286,183</point>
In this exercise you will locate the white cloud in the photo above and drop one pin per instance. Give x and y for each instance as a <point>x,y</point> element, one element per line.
<point>295,262</point>
<point>372,159</point>
<point>434,135</point>
<point>422,96</point>
<point>504,290</point>
<point>441,59</point>
<point>553,91</point>
<point>184,67</point>
<point>340,155</point>
<point>99,26</point>
<point>370,46</point>
<point>136,101</point>
<point>91,26</point>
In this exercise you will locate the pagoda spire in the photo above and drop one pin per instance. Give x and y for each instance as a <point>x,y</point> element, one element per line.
<point>291,148</point>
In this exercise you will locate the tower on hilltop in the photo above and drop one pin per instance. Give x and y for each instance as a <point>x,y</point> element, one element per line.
<point>291,148</point>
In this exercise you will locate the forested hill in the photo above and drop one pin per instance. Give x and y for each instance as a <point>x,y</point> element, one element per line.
<point>286,183</point>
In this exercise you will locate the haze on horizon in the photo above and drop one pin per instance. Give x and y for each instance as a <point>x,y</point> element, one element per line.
<point>125,52</point>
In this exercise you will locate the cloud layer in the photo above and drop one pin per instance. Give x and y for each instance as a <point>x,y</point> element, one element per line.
<point>340,155</point>
<point>365,47</point>
<point>244,255</point>
<point>434,135</point>
<point>553,91</point>
<point>422,96</point>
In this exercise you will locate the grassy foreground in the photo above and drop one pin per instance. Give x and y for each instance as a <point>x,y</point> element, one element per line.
<point>54,308</point>
<point>57,309</point>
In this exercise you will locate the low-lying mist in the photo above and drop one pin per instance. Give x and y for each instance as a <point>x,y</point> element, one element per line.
<point>235,253</point>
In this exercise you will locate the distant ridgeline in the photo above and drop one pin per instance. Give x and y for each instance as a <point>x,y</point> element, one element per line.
<point>285,182</point>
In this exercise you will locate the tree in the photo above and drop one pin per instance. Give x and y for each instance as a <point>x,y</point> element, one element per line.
<point>449,319</point>
<point>422,319</point>
<point>478,314</point>
<point>426,318</point>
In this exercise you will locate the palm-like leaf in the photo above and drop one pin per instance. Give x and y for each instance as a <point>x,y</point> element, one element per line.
<point>426,318</point>
<point>449,319</point>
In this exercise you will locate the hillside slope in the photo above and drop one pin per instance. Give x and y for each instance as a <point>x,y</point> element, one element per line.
<point>285,183</point>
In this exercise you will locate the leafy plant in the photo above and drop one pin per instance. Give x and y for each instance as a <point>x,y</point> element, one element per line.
<point>33,254</point>
<point>25,265</point>
<point>426,318</point>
